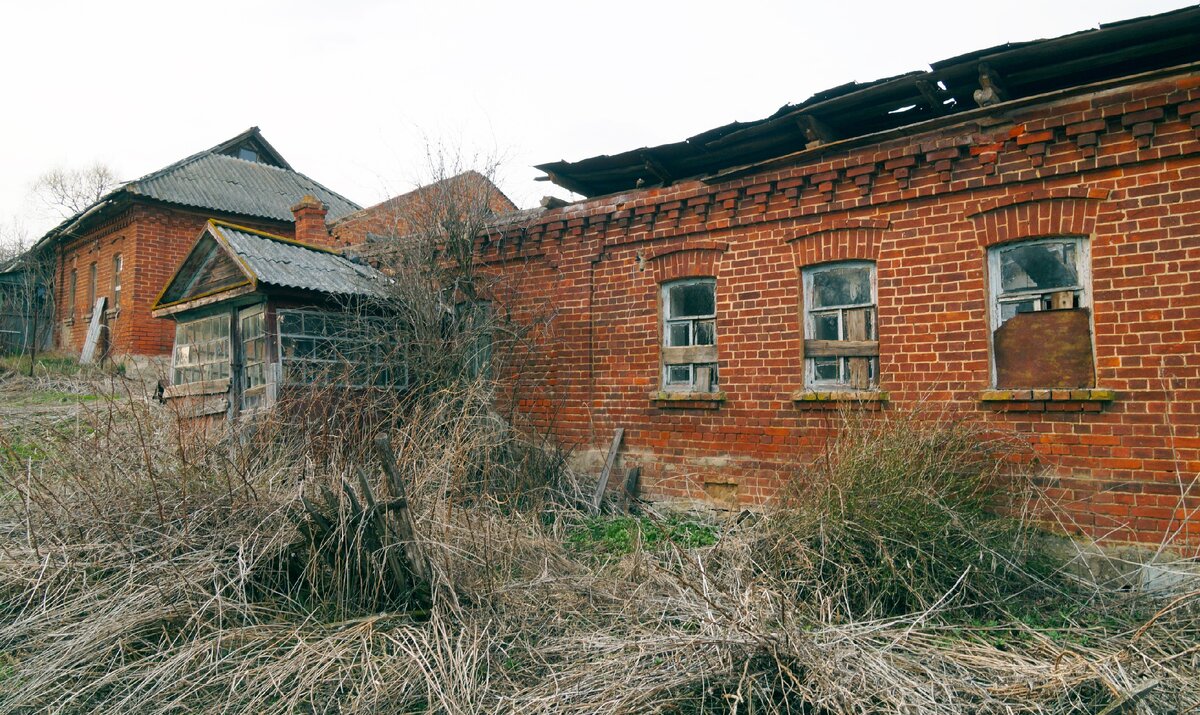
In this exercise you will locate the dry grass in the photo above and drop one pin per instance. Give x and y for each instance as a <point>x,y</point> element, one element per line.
<point>146,570</point>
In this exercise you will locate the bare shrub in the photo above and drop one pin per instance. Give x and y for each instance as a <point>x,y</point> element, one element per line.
<point>905,511</point>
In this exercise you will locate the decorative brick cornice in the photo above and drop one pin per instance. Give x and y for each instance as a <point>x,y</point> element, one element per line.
<point>1037,145</point>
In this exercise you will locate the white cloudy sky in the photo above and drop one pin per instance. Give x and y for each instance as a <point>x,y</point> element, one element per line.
<point>351,92</point>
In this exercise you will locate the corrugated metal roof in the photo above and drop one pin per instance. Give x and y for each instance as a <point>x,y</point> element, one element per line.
<point>278,262</point>
<point>232,185</point>
<point>214,179</point>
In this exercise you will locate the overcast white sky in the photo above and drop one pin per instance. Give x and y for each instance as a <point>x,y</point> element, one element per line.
<point>352,91</point>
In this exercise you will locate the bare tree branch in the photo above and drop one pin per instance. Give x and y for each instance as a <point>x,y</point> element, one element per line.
<point>70,191</point>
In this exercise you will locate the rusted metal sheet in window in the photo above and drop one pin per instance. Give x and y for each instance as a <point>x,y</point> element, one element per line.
<point>1049,348</point>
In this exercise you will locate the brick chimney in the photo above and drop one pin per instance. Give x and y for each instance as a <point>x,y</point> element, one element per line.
<point>310,222</point>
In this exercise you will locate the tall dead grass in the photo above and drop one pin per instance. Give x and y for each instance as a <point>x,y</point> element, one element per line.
<point>148,569</point>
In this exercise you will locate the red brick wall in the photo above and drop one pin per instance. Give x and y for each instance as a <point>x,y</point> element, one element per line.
<point>469,191</point>
<point>1118,165</point>
<point>152,240</point>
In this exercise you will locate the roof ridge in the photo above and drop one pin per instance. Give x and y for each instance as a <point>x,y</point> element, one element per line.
<point>273,237</point>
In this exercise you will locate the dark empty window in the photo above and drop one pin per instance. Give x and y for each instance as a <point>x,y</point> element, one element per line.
<point>689,323</point>
<point>841,347</point>
<point>247,153</point>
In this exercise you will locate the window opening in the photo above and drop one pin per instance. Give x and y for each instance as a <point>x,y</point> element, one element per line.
<point>201,350</point>
<point>72,299</point>
<point>253,338</point>
<point>690,336</point>
<point>841,348</point>
<point>91,287</point>
<point>1040,314</point>
<point>116,281</point>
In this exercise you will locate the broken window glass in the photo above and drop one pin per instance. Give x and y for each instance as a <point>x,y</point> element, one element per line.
<point>842,285</point>
<point>689,321</point>
<point>839,306</point>
<point>337,350</point>
<point>252,331</point>
<point>692,299</point>
<point>1039,290</point>
<point>1043,266</point>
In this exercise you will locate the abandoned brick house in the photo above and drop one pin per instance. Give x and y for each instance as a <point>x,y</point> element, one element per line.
<point>258,314</point>
<point>124,247</point>
<point>1013,236</point>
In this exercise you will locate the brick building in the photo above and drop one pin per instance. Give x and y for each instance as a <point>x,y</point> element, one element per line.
<point>125,246</point>
<point>1013,235</point>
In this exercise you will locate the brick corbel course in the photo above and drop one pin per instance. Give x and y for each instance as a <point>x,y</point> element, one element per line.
<point>1190,112</point>
<point>1141,125</point>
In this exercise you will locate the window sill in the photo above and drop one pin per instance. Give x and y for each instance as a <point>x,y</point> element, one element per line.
<point>1048,400</point>
<point>112,314</point>
<point>840,396</point>
<point>684,400</point>
<point>69,322</point>
<point>210,387</point>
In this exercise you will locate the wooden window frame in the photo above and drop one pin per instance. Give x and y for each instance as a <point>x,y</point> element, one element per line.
<point>1081,292</point>
<point>219,383</point>
<point>93,286</point>
<point>117,264</point>
<point>696,358</point>
<point>859,370</point>
<point>73,291</point>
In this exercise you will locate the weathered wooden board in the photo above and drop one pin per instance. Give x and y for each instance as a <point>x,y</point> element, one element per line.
<point>92,340</point>
<point>841,348</point>
<point>856,330</point>
<point>608,465</point>
<point>631,488</point>
<point>1049,348</point>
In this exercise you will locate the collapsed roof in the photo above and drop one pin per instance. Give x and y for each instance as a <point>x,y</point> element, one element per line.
<point>243,176</point>
<point>998,74</point>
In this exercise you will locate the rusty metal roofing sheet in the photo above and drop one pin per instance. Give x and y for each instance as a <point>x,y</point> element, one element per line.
<point>282,263</point>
